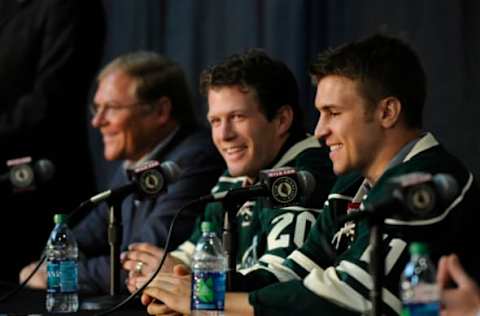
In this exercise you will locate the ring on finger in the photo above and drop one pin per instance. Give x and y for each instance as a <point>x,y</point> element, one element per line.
<point>139,267</point>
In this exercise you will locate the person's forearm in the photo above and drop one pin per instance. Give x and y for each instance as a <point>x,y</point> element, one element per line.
<point>237,304</point>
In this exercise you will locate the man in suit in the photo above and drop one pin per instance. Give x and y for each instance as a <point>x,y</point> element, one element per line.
<point>143,110</point>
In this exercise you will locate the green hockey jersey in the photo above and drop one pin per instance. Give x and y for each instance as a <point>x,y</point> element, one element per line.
<point>329,274</point>
<point>266,235</point>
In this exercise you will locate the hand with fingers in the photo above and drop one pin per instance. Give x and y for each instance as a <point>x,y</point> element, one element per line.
<point>141,260</point>
<point>38,280</point>
<point>464,300</point>
<point>169,293</point>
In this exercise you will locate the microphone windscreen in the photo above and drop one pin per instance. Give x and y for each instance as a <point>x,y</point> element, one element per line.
<point>172,170</point>
<point>44,170</point>
<point>446,186</point>
<point>307,182</point>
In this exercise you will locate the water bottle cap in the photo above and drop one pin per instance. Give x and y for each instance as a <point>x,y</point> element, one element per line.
<point>206,227</point>
<point>59,218</point>
<point>418,248</point>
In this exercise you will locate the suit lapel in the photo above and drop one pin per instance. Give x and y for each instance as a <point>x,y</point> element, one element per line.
<point>138,215</point>
<point>171,145</point>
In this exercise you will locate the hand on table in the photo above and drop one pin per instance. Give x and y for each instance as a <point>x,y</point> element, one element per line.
<point>464,300</point>
<point>38,280</point>
<point>141,260</point>
<point>172,292</point>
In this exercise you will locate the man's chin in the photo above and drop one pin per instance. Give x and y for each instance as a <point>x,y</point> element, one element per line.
<point>340,171</point>
<point>236,171</point>
<point>111,156</point>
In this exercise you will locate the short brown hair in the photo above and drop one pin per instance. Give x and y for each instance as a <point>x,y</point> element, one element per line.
<point>156,76</point>
<point>272,82</point>
<point>382,66</point>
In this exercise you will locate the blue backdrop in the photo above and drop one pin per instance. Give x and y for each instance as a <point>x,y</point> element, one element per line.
<point>198,33</point>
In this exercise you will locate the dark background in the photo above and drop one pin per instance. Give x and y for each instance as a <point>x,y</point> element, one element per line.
<point>197,33</point>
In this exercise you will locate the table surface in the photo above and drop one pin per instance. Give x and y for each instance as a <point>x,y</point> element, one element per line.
<point>32,302</point>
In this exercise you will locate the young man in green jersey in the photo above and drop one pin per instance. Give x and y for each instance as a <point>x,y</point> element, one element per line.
<point>256,123</point>
<point>370,95</point>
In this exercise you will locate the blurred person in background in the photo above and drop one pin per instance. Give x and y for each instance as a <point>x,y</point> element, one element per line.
<point>50,52</point>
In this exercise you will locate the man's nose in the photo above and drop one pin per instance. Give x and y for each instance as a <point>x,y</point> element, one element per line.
<point>321,129</point>
<point>98,118</point>
<point>227,130</point>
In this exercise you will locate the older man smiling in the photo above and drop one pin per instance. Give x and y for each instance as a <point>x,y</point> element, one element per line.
<point>144,111</point>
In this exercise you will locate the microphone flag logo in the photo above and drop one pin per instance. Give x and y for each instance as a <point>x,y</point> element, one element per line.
<point>151,181</point>
<point>21,176</point>
<point>284,190</point>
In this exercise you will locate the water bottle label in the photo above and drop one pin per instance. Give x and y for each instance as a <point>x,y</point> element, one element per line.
<point>423,293</point>
<point>62,276</point>
<point>53,277</point>
<point>430,309</point>
<point>208,290</point>
<point>69,276</point>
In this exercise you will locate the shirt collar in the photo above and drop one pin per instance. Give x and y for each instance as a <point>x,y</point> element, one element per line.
<point>396,160</point>
<point>132,165</point>
<point>404,151</point>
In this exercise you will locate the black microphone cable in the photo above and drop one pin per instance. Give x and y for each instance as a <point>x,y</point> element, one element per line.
<point>203,199</point>
<point>170,168</point>
<point>159,267</point>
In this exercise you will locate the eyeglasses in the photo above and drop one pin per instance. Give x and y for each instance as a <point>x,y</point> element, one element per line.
<point>112,109</point>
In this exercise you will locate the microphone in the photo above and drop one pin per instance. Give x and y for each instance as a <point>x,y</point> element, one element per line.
<point>148,180</point>
<point>22,176</point>
<point>282,187</point>
<point>416,195</point>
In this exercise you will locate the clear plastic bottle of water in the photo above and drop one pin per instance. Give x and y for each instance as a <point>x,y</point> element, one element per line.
<point>62,269</point>
<point>208,274</point>
<point>418,289</point>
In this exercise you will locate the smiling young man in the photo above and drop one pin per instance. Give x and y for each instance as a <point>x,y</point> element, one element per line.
<point>256,124</point>
<point>144,111</point>
<point>370,95</point>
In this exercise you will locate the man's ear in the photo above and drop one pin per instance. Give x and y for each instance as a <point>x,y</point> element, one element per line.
<point>284,119</point>
<point>162,109</point>
<point>390,110</point>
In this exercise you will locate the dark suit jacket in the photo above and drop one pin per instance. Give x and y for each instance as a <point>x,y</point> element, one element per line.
<point>201,165</point>
<point>46,66</point>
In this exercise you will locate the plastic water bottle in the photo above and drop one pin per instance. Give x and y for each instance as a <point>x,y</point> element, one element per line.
<point>418,289</point>
<point>208,274</point>
<point>62,269</point>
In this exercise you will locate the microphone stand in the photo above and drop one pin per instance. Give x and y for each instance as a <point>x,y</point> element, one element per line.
<point>229,239</point>
<point>377,264</point>
<point>377,260</point>
<point>115,231</point>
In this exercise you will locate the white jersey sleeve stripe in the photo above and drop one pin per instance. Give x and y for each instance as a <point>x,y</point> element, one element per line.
<point>339,197</point>
<point>302,209</point>
<point>184,252</point>
<point>365,279</point>
<point>282,273</point>
<point>327,284</point>
<point>303,261</point>
<point>269,259</point>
